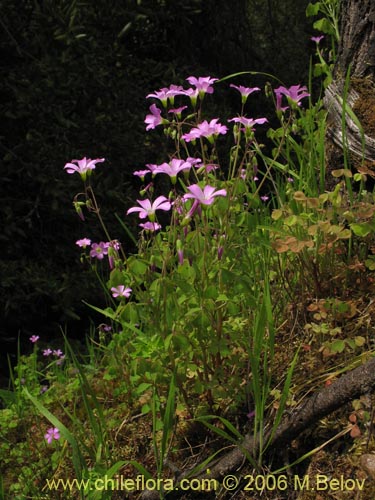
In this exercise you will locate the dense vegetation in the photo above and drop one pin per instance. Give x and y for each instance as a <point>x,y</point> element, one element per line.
<point>230,282</point>
<point>74,77</point>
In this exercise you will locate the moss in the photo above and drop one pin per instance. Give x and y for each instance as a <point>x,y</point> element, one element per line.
<point>364,107</point>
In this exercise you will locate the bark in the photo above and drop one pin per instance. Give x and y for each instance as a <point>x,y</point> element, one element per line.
<point>350,386</point>
<point>357,44</point>
<point>356,52</point>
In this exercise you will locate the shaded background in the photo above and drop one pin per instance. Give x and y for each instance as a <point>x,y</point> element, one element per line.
<point>74,76</point>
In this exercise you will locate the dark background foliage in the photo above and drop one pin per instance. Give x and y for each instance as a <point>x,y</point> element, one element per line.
<point>74,76</point>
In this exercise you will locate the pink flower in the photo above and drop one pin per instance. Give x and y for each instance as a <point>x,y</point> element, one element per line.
<point>205,129</point>
<point>264,198</point>
<point>58,353</point>
<point>52,433</point>
<point>104,328</point>
<point>317,39</point>
<point>194,161</point>
<point>113,248</point>
<point>83,166</point>
<point>180,255</point>
<point>177,111</point>
<point>47,352</point>
<point>141,173</point>
<point>34,338</point>
<point>205,196</point>
<point>167,93</point>
<point>147,209</point>
<point>98,250</point>
<point>193,94</point>
<point>155,118</point>
<point>150,226</point>
<point>244,91</point>
<point>248,122</point>
<point>83,243</point>
<point>159,94</point>
<point>121,291</point>
<point>151,166</point>
<point>294,93</point>
<point>173,168</point>
<point>202,84</point>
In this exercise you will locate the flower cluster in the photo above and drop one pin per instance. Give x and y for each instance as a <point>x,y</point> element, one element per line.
<point>190,161</point>
<point>102,249</point>
<point>48,352</point>
<point>209,130</point>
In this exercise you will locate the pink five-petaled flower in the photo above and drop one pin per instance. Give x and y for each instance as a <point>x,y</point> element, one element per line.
<point>205,196</point>
<point>173,168</point>
<point>121,291</point>
<point>154,119</point>
<point>317,39</point>
<point>193,94</point>
<point>205,129</point>
<point>294,93</point>
<point>51,434</point>
<point>83,243</point>
<point>83,166</point>
<point>150,226</point>
<point>244,91</point>
<point>248,123</point>
<point>147,209</point>
<point>34,338</point>
<point>98,250</point>
<point>141,173</point>
<point>167,93</point>
<point>203,84</point>
<point>47,352</point>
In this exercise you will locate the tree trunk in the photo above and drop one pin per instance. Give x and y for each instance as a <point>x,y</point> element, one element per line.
<point>356,54</point>
<point>357,45</point>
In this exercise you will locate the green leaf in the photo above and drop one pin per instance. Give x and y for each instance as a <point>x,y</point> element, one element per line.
<point>137,266</point>
<point>370,264</point>
<point>140,468</point>
<point>337,346</point>
<point>116,277</point>
<point>108,312</point>
<point>312,9</point>
<point>78,459</point>
<point>144,386</point>
<point>211,292</point>
<point>362,229</point>
<point>324,26</point>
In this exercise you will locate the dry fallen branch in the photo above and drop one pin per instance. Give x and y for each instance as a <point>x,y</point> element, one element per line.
<point>350,386</point>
